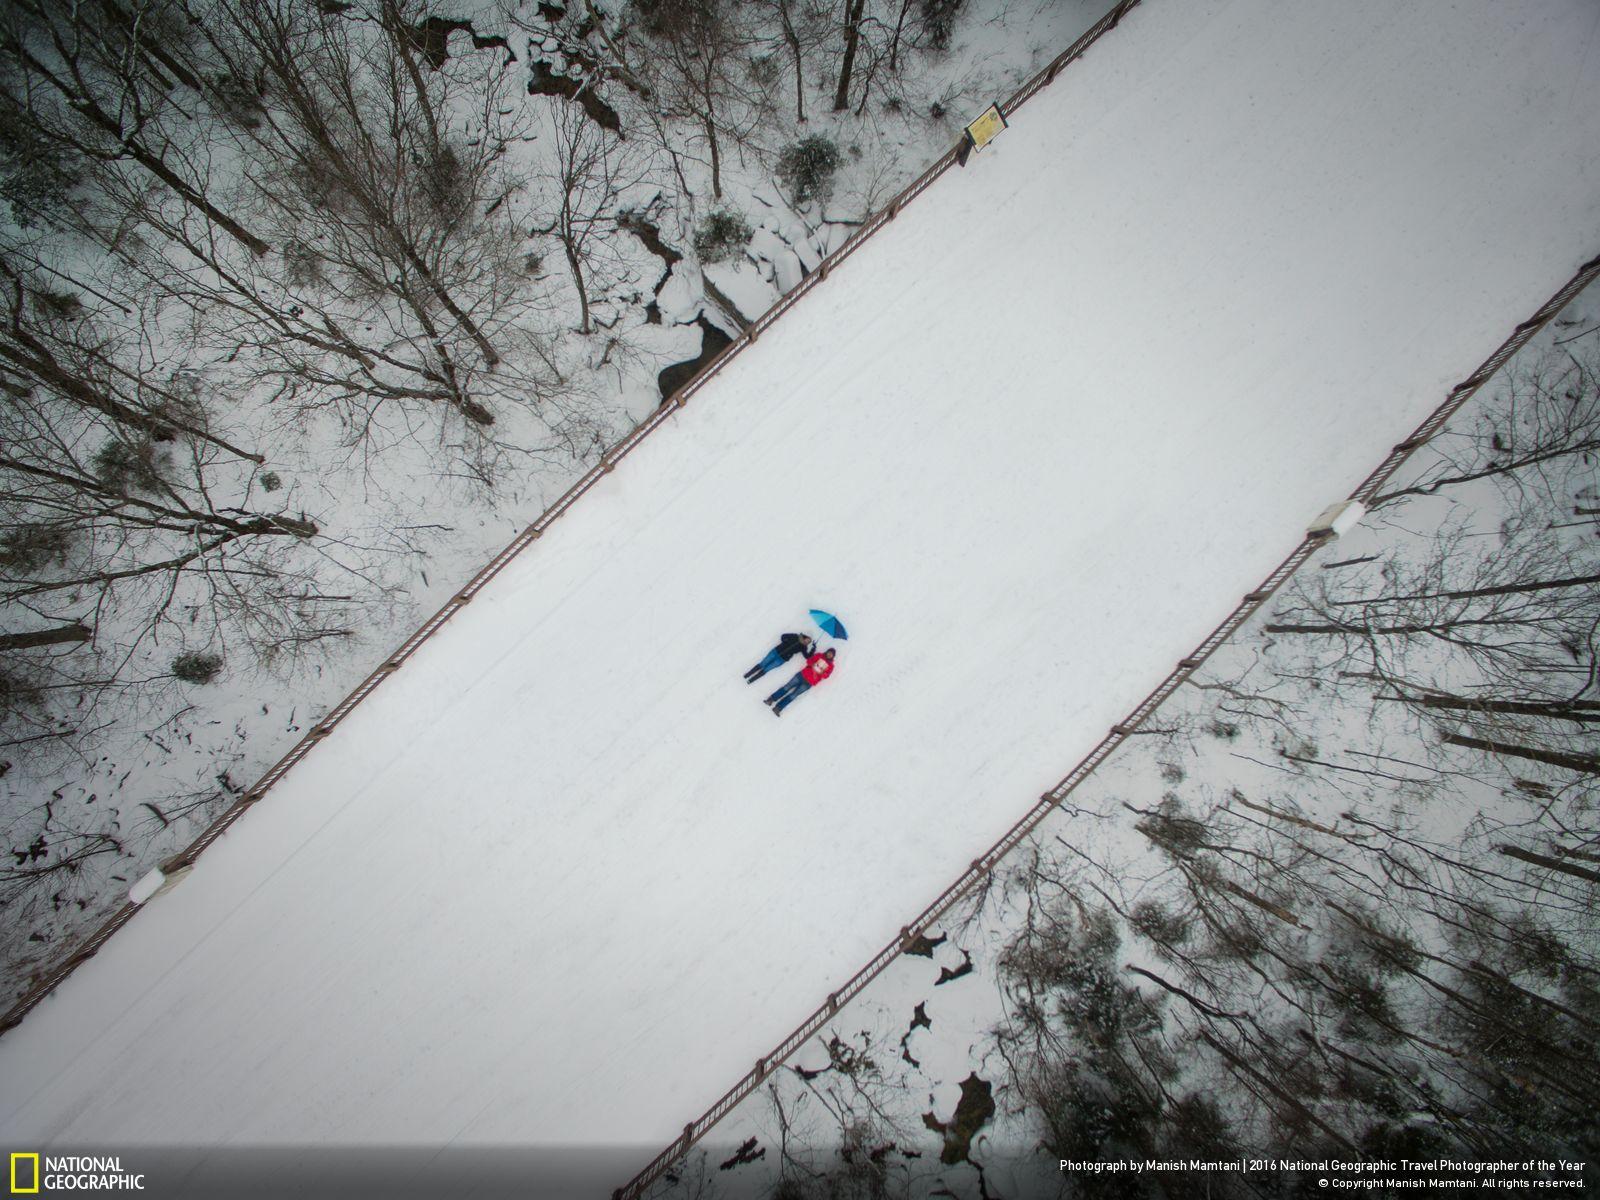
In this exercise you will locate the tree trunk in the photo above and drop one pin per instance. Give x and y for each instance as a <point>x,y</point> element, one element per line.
<point>161,171</point>
<point>59,636</point>
<point>34,359</point>
<point>160,516</point>
<point>793,39</point>
<point>96,116</point>
<point>1375,630</point>
<point>128,24</point>
<point>899,26</point>
<point>491,357</point>
<point>400,35</point>
<point>1292,1104</point>
<point>1554,864</point>
<point>1503,589</point>
<point>1587,764</point>
<point>710,124</point>
<point>626,71</point>
<point>1506,468</point>
<point>577,281</point>
<point>1261,902</point>
<point>456,396</point>
<point>1581,711</point>
<point>852,34</point>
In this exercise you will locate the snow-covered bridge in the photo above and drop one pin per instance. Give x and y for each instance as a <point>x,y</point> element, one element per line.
<point>564,878</point>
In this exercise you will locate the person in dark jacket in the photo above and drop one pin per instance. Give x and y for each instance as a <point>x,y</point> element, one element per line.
<point>788,646</point>
<point>818,667</point>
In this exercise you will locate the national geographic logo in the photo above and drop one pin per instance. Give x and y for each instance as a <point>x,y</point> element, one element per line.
<point>31,1174</point>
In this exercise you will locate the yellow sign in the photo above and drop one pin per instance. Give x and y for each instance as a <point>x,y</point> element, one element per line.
<point>986,127</point>
<point>16,1188</point>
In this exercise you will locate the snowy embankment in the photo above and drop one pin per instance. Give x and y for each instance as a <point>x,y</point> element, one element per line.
<point>564,878</point>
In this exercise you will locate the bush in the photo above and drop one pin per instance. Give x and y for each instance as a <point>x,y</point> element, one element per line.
<point>270,482</point>
<point>723,236</point>
<point>236,101</point>
<point>36,175</point>
<point>183,405</point>
<point>26,548</point>
<point>302,266</point>
<point>1090,1116</point>
<point>130,466</point>
<point>1169,827</point>
<point>1198,1127</point>
<point>194,667</point>
<point>1151,921</point>
<point>1366,1010</point>
<point>17,696</point>
<point>1226,730</point>
<point>675,20</point>
<point>322,185</point>
<point>939,21</point>
<point>807,167</point>
<point>446,184</point>
<point>766,70</point>
<point>64,305</point>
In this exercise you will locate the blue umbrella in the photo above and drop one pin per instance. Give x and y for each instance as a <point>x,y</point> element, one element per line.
<point>829,624</point>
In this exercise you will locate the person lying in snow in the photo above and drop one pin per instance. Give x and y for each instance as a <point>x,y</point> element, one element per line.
<point>788,646</point>
<point>818,667</point>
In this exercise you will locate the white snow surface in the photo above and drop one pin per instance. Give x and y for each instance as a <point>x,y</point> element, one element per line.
<point>564,877</point>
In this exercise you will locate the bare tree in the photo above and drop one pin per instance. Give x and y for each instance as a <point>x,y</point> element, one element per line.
<point>698,71</point>
<point>1495,648</point>
<point>50,340</point>
<point>804,27</point>
<point>398,216</point>
<point>1538,440</point>
<point>129,509</point>
<point>590,172</point>
<point>92,84</point>
<point>854,11</point>
<point>1350,969</point>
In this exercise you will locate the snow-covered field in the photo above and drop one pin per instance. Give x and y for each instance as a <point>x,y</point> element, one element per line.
<point>564,878</point>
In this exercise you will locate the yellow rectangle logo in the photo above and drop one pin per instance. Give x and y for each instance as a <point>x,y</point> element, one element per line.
<point>16,1186</point>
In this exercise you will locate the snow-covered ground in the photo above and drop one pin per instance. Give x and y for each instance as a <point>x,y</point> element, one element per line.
<point>564,878</point>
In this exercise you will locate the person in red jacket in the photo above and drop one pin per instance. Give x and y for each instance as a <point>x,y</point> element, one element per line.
<point>818,667</point>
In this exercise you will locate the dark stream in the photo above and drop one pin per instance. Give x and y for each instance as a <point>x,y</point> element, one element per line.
<point>712,340</point>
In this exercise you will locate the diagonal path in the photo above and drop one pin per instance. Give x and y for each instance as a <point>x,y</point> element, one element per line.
<point>564,878</point>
